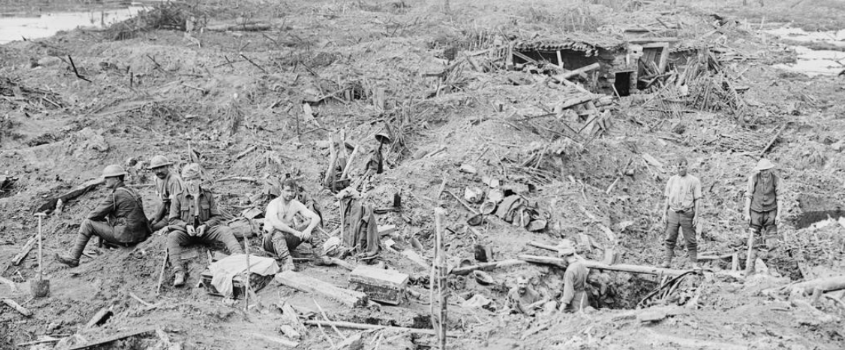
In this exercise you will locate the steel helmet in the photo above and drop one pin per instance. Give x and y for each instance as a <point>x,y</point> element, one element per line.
<point>384,137</point>
<point>764,164</point>
<point>565,248</point>
<point>159,161</point>
<point>113,170</point>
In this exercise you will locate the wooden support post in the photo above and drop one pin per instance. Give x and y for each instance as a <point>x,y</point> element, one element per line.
<point>559,60</point>
<point>439,275</point>
<point>161,273</point>
<point>246,275</point>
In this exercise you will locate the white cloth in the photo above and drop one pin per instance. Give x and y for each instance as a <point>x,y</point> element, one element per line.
<point>224,270</point>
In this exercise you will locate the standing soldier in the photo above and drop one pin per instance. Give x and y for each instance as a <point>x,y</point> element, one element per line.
<point>680,210</point>
<point>574,280</point>
<point>167,186</point>
<point>194,218</point>
<point>762,211</point>
<point>119,219</point>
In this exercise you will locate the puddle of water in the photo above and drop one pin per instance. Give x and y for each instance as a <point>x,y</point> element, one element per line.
<point>813,62</point>
<point>15,28</point>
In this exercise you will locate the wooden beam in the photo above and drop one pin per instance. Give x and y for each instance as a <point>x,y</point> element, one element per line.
<point>362,326</point>
<point>601,266</point>
<point>12,304</point>
<point>115,337</point>
<point>307,284</point>
<point>75,192</point>
<point>24,251</point>
<point>276,340</point>
<point>486,266</point>
<point>572,73</point>
<point>652,40</point>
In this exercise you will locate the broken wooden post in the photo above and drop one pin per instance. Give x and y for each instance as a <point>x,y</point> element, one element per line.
<point>99,318</point>
<point>118,336</point>
<point>572,73</point>
<point>438,278</point>
<point>24,251</point>
<point>307,284</point>
<point>161,273</point>
<point>384,286</point>
<point>65,197</point>
<point>12,304</point>
<point>362,326</point>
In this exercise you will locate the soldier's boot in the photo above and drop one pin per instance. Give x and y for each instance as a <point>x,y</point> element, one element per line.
<point>283,253</point>
<point>320,258</point>
<point>72,257</point>
<point>178,278</point>
<point>667,261</point>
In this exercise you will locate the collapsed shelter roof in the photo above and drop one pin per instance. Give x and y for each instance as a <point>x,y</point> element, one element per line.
<point>587,43</point>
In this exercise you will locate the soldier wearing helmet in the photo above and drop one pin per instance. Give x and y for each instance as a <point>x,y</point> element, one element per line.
<point>119,219</point>
<point>167,185</point>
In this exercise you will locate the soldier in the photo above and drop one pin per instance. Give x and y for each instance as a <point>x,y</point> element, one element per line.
<point>119,219</point>
<point>574,280</point>
<point>288,223</point>
<point>762,211</point>
<point>167,185</point>
<point>680,210</point>
<point>194,218</point>
<point>523,298</point>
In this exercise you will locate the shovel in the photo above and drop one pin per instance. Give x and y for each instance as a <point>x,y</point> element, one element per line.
<point>40,287</point>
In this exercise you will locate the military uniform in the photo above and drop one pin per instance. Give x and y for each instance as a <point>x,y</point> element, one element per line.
<point>186,209</point>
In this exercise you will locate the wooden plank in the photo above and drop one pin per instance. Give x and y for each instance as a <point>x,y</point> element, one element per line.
<point>486,266</point>
<point>75,192</point>
<point>418,259</point>
<point>379,277</point>
<point>115,337</point>
<point>601,266</point>
<point>307,284</point>
<point>572,73</point>
<point>12,304</point>
<point>652,40</point>
<point>362,326</point>
<point>384,230</point>
<point>24,252</point>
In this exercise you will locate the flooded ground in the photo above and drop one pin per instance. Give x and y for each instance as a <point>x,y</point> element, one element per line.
<point>810,60</point>
<point>41,20</point>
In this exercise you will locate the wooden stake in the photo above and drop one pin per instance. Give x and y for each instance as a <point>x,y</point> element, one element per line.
<point>248,273</point>
<point>439,274</point>
<point>328,320</point>
<point>349,162</point>
<point>161,274</point>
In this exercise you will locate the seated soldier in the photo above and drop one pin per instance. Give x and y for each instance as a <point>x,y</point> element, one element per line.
<point>523,298</point>
<point>194,218</point>
<point>288,223</point>
<point>119,219</point>
<point>167,185</point>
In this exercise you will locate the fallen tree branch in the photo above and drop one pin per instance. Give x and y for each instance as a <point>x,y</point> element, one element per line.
<point>76,71</point>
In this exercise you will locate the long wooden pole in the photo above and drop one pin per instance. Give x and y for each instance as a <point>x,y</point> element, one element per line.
<point>248,273</point>
<point>440,266</point>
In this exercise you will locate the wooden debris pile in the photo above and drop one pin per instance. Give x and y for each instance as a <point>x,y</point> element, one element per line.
<point>165,15</point>
<point>11,90</point>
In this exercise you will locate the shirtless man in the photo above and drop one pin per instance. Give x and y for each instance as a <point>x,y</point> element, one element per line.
<point>523,298</point>
<point>287,224</point>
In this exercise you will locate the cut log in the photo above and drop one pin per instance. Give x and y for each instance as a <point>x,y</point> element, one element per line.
<point>384,286</point>
<point>572,73</point>
<point>26,249</point>
<point>277,340</point>
<point>118,336</point>
<point>486,266</point>
<point>307,284</point>
<point>583,98</point>
<point>75,192</point>
<point>601,266</point>
<point>830,284</point>
<point>361,326</point>
<point>17,307</point>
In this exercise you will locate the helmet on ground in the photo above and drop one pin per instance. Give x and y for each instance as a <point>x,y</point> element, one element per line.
<point>383,137</point>
<point>331,245</point>
<point>113,170</point>
<point>159,161</point>
<point>565,248</point>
